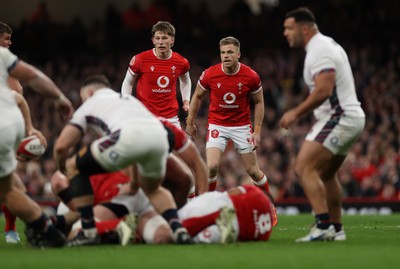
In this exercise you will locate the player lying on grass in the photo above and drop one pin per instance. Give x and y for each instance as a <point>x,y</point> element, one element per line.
<point>114,203</point>
<point>242,213</point>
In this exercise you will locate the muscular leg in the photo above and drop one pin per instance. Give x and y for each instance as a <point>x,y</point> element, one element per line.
<point>250,164</point>
<point>39,231</point>
<point>17,201</point>
<point>10,227</point>
<point>333,188</point>
<point>179,179</point>
<point>214,156</point>
<point>310,160</point>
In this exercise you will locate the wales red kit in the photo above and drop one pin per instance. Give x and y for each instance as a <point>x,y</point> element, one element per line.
<point>253,211</point>
<point>107,186</point>
<point>230,94</point>
<point>157,79</point>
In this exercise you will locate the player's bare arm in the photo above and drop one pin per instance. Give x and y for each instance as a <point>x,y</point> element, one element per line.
<point>258,100</point>
<point>29,129</point>
<point>198,95</point>
<point>196,163</point>
<point>69,138</point>
<point>324,85</point>
<point>42,84</point>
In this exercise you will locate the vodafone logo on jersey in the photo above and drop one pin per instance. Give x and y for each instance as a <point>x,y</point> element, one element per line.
<point>229,98</point>
<point>163,81</point>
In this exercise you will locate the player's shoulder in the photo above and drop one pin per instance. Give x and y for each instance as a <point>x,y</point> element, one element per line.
<point>144,55</point>
<point>6,55</point>
<point>321,45</point>
<point>178,57</point>
<point>246,70</point>
<point>214,69</point>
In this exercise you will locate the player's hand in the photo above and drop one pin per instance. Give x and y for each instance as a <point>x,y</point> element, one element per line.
<point>191,130</point>
<point>39,134</point>
<point>288,119</point>
<point>65,107</point>
<point>255,139</point>
<point>185,105</point>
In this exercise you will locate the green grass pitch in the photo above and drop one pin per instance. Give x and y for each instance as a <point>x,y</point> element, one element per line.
<point>372,242</point>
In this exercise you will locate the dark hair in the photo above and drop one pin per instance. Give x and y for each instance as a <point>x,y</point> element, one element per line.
<point>4,28</point>
<point>163,26</point>
<point>97,79</point>
<point>301,14</point>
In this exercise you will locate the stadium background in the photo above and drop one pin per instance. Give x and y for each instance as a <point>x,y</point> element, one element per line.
<point>69,40</point>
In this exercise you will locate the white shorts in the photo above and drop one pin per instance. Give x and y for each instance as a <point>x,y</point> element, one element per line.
<point>12,130</point>
<point>218,137</point>
<point>140,143</point>
<point>137,203</point>
<point>205,204</point>
<point>337,134</point>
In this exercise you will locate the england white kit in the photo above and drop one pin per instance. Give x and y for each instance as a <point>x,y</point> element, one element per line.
<point>12,127</point>
<point>129,133</point>
<point>340,118</point>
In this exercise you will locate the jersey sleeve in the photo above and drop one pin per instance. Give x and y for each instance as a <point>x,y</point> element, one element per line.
<point>79,118</point>
<point>8,59</point>
<point>320,61</point>
<point>134,65</point>
<point>256,83</point>
<point>204,80</point>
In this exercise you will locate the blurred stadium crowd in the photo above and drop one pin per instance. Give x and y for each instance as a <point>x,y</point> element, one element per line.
<point>367,30</point>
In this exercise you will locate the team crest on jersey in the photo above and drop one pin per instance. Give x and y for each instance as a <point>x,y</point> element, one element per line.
<point>240,84</point>
<point>132,60</point>
<point>214,133</point>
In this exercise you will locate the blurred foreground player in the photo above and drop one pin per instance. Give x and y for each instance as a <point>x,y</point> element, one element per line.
<point>40,232</point>
<point>120,214</point>
<point>129,134</point>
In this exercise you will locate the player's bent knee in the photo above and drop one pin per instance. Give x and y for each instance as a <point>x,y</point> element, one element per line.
<point>156,231</point>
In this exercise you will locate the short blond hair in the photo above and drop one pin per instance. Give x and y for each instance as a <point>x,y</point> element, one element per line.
<point>230,40</point>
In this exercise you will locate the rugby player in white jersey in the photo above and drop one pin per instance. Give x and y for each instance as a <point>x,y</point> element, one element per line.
<point>129,134</point>
<point>40,232</point>
<point>340,121</point>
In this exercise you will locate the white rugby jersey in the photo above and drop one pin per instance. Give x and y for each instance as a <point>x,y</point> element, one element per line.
<point>324,54</point>
<point>108,111</point>
<point>7,62</point>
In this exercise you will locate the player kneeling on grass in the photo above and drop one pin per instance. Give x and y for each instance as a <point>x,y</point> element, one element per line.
<point>115,222</point>
<point>242,213</point>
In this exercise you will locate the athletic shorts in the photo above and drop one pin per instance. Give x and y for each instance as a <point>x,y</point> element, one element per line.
<point>144,144</point>
<point>337,133</point>
<point>12,131</point>
<point>219,136</point>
